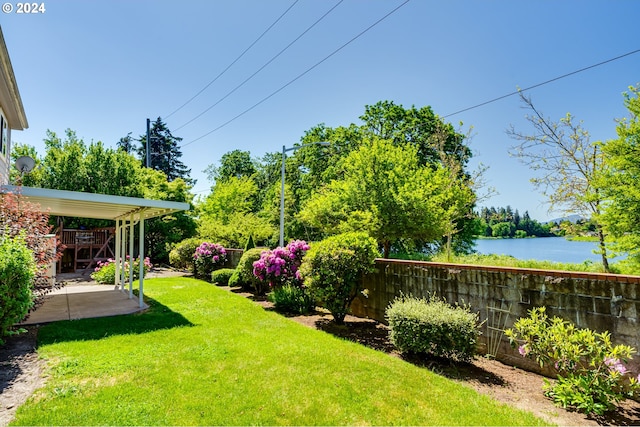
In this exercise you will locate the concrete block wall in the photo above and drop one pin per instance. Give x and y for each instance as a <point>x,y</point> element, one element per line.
<point>501,295</point>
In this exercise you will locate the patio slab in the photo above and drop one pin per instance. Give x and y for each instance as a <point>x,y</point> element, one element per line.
<point>83,299</point>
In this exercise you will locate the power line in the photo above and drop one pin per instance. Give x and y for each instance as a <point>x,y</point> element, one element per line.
<point>542,84</point>
<point>263,67</point>
<point>234,61</point>
<point>298,77</point>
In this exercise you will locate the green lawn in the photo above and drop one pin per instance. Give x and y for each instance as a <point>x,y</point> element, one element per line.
<point>204,356</point>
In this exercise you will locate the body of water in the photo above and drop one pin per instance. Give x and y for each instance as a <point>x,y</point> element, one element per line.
<point>556,249</point>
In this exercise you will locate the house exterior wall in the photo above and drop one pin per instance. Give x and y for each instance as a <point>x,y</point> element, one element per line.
<point>5,148</point>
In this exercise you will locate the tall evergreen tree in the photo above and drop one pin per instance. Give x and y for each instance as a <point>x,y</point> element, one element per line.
<point>165,152</point>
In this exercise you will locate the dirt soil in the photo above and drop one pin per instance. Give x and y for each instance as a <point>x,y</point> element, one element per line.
<point>22,372</point>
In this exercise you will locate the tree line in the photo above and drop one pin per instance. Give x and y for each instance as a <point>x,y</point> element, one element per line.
<point>505,222</point>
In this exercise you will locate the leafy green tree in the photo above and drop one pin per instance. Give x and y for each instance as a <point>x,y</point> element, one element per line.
<point>620,182</point>
<point>236,163</point>
<point>162,233</point>
<point>228,215</point>
<point>503,229</point>
<point>385,192</point>
<point>165,152</point>
<point>569,164</point>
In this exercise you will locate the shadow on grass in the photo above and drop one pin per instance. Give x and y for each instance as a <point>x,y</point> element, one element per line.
<point>156,317</point>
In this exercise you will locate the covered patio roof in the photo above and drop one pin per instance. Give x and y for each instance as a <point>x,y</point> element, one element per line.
<point>98,206</point>
<point>125,211</point>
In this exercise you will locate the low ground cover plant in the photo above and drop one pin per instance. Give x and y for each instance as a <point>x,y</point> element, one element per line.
<point>17,272</point>
<point>208,257</point>
<point>430,326</point>
<point>105,271</point>
<point>334,267</point>
<point>221,277</point>
<point>592,372</point>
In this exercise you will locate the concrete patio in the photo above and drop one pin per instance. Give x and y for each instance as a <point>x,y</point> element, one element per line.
<point>82,298</point>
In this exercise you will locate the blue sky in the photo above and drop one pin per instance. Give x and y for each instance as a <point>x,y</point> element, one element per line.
<point>102,67</point>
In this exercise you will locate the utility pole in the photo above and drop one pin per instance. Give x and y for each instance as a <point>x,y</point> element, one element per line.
<point>148,144</point>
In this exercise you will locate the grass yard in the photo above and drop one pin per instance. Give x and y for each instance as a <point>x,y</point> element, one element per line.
<point>204,356</point>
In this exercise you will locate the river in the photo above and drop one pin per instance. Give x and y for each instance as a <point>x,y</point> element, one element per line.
<point>556,249</point>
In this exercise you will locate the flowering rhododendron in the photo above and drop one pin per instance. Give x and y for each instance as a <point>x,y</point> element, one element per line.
<point>280,266</point>
<point>209,256</point>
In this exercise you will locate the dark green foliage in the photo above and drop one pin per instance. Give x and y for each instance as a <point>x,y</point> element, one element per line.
<point>246,279</point>
<point>333,269</point>
<point>165,152</point>
<point>234,280</point>
<point>433,327</point>
<point>221,277</point>
<point>17,271</point>
<point>250,244</point>
<point>292,299</point>
<point>181,256</point>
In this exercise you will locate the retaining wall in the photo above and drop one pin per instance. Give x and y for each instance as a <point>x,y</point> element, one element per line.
<point>501,295</point>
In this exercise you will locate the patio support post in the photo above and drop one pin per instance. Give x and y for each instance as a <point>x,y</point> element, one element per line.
<point>123,251</point>
<point>131,234</point>
<point>141,255</point>
<point>118,254</point>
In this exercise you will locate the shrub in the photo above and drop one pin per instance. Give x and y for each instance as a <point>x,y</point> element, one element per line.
<point>292,299</point>
<point>280,266</point>
<point>433,327</point>
<point>221,277</point>
<point>208,257</point>
<point>17,215</point>
<point>334,267</point>
<point>592,374</point>
<point>105,272</point>
<point>246,279</point>
<point>181,256</point>
<point>17,272</point>
<point>250,244</point>
<point>234,280</point>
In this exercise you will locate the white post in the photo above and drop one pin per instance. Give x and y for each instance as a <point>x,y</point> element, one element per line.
<point>131,234</point>
<point>123,252</point>
<point>141,255</point>
<point>118,254</point>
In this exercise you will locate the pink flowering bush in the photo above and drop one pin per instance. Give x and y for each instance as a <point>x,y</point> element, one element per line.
<point>280,266</point>
<point>208,257</point>
<point>592,373</point>
<point>105,272</point>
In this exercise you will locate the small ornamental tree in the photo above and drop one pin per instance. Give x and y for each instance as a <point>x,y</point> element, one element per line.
<point>17,271</point>
<point>592,372</point>
<point>18,215</point>
<point>333,270</point>
<point>208,257</point>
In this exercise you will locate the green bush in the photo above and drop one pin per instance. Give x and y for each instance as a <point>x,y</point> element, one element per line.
<point>292,299</point>
<point>246,278</point>
<point>234,280</point>
<point>221,277</point>
<point>17,272</point>
<point>181,256</point>
<point>333,270</point>
<point>433,327</point>
<point>592,374</point>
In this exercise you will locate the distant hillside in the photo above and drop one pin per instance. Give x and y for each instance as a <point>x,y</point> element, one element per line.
<point>571,218</point>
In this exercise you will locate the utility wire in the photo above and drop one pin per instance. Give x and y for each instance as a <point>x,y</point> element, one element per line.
<point>263,67</point>
<point>234,61</point>
<point>298,77</point>
<point>542,84</point>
